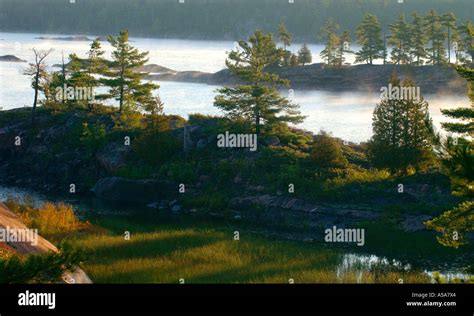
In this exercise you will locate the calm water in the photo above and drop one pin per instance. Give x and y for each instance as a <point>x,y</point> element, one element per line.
<point>345,115</point>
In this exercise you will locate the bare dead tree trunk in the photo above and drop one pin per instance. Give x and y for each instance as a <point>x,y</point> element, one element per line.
<point>37,70</point>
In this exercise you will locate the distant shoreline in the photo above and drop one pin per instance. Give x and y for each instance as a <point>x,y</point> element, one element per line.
<point>363,78</point>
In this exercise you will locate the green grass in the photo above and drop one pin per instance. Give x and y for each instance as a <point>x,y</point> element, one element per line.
<point>166,254</point>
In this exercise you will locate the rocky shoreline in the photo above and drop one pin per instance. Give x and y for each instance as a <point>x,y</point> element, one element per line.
<point>53,169</point>
<point>363,78</point>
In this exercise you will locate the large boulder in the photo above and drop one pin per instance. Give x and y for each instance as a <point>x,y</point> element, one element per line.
<point>137,191</point>
<point>113,156</point>
<point>9,220</point>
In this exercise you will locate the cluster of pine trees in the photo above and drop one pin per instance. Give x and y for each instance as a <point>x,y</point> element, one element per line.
<point>119,76</point>
<point>429,39</point>
<point>290,59</point>
<point>432,40</point>
<point>421,40</point>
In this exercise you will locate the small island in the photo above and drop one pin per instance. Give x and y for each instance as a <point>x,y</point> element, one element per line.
<point>66,38</point>
<point>12,59</point>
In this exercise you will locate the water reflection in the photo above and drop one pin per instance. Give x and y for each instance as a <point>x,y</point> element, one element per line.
<point>360,263</point>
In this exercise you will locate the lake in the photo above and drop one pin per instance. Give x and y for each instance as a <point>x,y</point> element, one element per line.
<point>345,115</point>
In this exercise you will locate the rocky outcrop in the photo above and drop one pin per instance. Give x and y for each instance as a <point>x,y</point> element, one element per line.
<point>275,210</point>
<point>113,156</point>
<point>10,220</point>
<point>135,191</point>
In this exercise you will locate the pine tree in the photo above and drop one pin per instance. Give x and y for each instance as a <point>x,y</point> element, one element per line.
<point>401,40</point>
<point>124,81</point>
<point>328,32</point>
<point>465,116</point>
<point>95,66</point>
<point>369,36</point>
<point>77,80</point>
<point>467,41</point>
<point>448,20</point>
<point>284,36</point>
<point>402,132</point>
<point>458,158</point>
<point>418,40</point>
<point>436,37</point>
<point>257,101</point>
<point>304,55</point>
<point>344,44</point>
<point>294,60</point>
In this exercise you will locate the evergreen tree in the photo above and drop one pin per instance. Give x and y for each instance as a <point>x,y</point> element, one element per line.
<point>95,66</point>
<point>294,60</point>
<point>467,41</point>
<point>436,37</point>
<point>78,81</point>
<point>448,20</point>
<point>401,40</point>
<point>257,101</point>
<point>418,39</point>
<point>458,158</point>
<point>304,55</point>
<point>402,132</point>
<point>369,36</point>
<point>327,153</point>
<point>284,36</point>
<point>330,51</point>
<point>58,80</point>
<point>124,81</point>
<point>344,44</point>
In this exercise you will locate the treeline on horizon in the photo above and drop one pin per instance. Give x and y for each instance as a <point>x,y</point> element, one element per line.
<point>208,19</point>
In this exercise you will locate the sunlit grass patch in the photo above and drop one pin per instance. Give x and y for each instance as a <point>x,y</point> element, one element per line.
<point>166,254</point>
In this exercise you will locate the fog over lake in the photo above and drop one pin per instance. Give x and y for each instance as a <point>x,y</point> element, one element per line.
<point>345,115</point>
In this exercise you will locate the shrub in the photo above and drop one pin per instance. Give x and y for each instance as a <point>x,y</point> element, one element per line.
<point>211,201</point>
<point>327,153</point>
<point>135,171</point>
<point>93,136</point>
<point>156,147</point>
<point>49,219</point>
<point>180,171</point>
<point>39,268</point>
